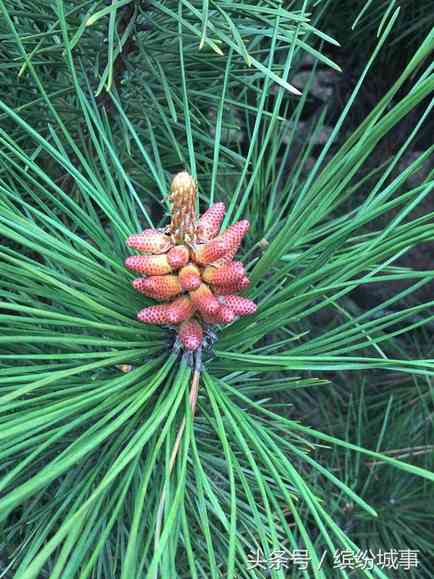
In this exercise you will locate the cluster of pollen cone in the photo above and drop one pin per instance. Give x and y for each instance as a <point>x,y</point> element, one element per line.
<point>189,267</point>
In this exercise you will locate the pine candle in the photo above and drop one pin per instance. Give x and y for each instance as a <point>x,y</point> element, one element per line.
<point>190,267</point>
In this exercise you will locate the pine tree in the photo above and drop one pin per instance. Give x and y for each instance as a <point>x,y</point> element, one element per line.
<point>283,440</point>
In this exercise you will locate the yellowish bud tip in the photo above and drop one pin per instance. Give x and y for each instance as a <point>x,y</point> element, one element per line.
<point>183,197</point>
<point>183,182</point>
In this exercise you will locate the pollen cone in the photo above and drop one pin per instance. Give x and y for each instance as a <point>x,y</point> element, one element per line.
<point>209,223</point>
<point>204,300</point>
<point>157,315</point>
<point>149,264</point>
<point>180,309</point>
<point>150,241</point>
<point>208,252</point>
<point>189,277</point>
<point>160,287</point>
<point>226,275</point>
<point>191,335</point>
<point>239,305</point>
<point>223,246</point>
<point>190,266</point>
<point>222,290</point>
<point>224,315</point>
<point>178,256</point>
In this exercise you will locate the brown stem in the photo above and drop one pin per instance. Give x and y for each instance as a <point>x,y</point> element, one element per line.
<point>194,391</point>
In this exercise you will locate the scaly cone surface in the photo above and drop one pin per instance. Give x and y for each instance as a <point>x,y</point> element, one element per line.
<point>190,267</point>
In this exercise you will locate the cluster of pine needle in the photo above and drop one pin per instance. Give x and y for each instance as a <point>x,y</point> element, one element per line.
<point>244,414</point>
